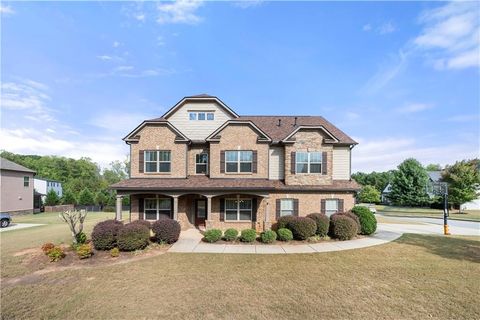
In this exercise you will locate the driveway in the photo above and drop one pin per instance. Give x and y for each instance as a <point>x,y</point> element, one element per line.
<point>17,226</point>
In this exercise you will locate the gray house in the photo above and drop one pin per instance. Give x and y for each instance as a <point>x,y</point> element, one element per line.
<point>16,187</point>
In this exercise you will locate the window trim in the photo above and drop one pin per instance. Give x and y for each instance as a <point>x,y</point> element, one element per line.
<point>26,181</point>
<point>157,208</point>
<point>239,162</point>
<point>157,162</point>
<point>195,115</point>
<point>238,199</point>
<point>197,163</point>
<point>309,162</point>
<point>282,210</point>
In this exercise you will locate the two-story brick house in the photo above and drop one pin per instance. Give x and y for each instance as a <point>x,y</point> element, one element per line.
<point>204,165</point>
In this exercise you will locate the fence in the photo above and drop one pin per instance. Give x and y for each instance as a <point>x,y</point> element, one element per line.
<point>65,207</point>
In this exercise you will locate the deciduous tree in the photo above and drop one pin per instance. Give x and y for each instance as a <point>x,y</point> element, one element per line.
<point>463,180</point>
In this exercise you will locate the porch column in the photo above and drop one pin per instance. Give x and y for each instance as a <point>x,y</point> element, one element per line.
<point>209,206</point>
<point>175,208</point>
<point>118,208</point>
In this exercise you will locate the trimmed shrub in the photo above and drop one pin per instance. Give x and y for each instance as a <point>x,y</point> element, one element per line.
<point>368,222</point>
<point>55,254</point>
<point>104,234</point>
<point>230,234</point>
<point>343,227</point>
<point>322,221</point>
<point>145,223</point>
<point>166,230</point>
<point>284,234</point>
<point>248,235</point>
<point>212,235</point>
<point>85,251</point>
<point>133,236</point>
<point>268,236</point>
<point>114,252</point>
<point>46,247</point>
<point>81,238</point>
<point>354,218</point>
<point>282,222</point>
<point>302,227</point>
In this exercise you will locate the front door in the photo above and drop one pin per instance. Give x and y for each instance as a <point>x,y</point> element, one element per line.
<point>200,212</point>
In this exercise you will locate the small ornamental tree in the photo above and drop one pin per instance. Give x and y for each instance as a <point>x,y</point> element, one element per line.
<point>52,198</point>
<point>369,194</point>
<point>463,180</point>
<point>85,198</point>
<point>74,219</point>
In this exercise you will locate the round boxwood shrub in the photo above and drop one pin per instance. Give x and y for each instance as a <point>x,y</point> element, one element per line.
<point>104,234</point>
<point>302,227</point>
<point>145,223</point>
<point>284,234</point>
<point>322,221</point>
<point>368,222</point>
<point>268,236</point>
<point>230,234</point>
<point>133,236</point>
<point>282,222</point>
<point>354,218</point>
<point>212,235</point>
<point>248,235</point>
<point>166,230</point>
<point>343,227</point>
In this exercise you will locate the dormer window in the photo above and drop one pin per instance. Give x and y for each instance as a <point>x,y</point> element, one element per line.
<point>202,116</point>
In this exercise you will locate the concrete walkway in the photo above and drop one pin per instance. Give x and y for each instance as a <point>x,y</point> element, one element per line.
<point>190,241</point>
<point>17,226</point>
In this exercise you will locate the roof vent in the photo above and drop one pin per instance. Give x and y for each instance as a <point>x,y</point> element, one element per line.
<point>279,122</point>
<point>295,123</point>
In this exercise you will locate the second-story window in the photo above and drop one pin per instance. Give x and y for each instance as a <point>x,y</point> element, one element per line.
<point>157,161</point>
<point>308,162</point>
<point>201,163</point>
<point>26,181</point>
<point>202,115</point>
<point>238,161</point>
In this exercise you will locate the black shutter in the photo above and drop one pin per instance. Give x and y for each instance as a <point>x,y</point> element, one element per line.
<point>324,163</point>
<point>292,163</point>
<point>222,209</point>
<point>171,208</point>
<point>278,204</point>
<point>254,162</point>
<point>222,161</point>
<point>254,209</point>
<point>295,207</point>
<point>340,205</point>
<point>141,160</point>
<point>141,209</point>
<point>322,206</point>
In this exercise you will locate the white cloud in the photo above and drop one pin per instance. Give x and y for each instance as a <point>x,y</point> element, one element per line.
<point>352,115</point>
<point>386,28</point>
<point>6,10</point>
<point>451,35</point>
<point>123,121</point>
<point>245,4</point>
<point>388,153</point>
<point>414,107</point>
<point>116,44</point>
<point>180,11</point>
<point>128,71</point>
<point>387,73</point>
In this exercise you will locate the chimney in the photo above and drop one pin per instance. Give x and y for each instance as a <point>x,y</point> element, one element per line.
<point>295,123</point>
<point>279,122</point>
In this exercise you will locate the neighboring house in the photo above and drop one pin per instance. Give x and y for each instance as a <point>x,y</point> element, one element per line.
<point>204,165</point>
<point>385,193</point>
<point>433,176</point>
<point>43,186</point>
<point>16,187</point>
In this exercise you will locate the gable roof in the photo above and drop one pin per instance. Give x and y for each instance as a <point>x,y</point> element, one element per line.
<point>435,176</point>
<point>12,166</point>
<point>269,125</point>
<point>213,135</point>
<point>199,98</point>
<point>131,137</point>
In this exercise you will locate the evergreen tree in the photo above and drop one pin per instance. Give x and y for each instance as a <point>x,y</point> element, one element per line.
<point>68,198</point>
<point>369,194</point>
<point>409,184</point>
<point>52,198</point>
<point>101,199</point>
<point>85,198</point>
<point>463,180</point>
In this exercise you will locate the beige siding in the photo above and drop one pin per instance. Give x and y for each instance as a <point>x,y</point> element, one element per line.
<point>341,163</point>
<point>277,163</point>
<point>198,129</point>
<point>14,196</point>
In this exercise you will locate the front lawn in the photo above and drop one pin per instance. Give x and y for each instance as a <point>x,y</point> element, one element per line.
<point>417,276</point>
<point>472,215</point>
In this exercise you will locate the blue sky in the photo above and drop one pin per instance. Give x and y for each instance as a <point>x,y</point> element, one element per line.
<point>400,78</point>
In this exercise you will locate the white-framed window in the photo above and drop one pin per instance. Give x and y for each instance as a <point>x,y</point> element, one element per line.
<point>192,116</point>
<point>201,163</point>
<point>238,209</point>
<point>308,162</point>
<point>154,208</point>
<point>26,181</point>
<point>157,161</point>
<point>210,116</point>
<point>201,115</point>
<point>331,206</point>
<point>238,161</point>
<point>286,207</point>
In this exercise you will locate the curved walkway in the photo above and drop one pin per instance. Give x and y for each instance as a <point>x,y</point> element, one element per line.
<point>191,241</point>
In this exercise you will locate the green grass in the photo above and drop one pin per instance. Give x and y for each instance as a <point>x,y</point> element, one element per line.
<point>417,276</point>
<point>472,215</point>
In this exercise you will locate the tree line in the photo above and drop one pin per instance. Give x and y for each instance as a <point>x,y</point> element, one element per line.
<point>83,181</point>
<point>410,183</point>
